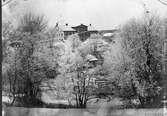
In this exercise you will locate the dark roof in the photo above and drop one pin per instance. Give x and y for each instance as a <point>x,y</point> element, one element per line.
<point>90,57</point>
<point>72,28</point>
<point>81,25</point>
<point>66,28</point>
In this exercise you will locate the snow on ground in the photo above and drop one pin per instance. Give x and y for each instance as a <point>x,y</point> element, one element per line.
<point>48,98</point>
<point>6,99</point>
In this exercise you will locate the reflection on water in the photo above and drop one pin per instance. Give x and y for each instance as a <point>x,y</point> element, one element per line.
<point>104,109</point>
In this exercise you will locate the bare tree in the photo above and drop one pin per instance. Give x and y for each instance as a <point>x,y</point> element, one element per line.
<point>32,23</point>
<point>143,45</point>
<point>164,2</point>
<point>6,2</point>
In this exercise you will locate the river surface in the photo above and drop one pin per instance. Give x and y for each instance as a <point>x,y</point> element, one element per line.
<point>103,110</point>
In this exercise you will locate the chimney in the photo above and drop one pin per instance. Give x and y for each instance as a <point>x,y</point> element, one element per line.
<point>57,24</point>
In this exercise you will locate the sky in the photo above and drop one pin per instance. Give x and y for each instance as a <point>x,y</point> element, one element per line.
<point>102,14</point>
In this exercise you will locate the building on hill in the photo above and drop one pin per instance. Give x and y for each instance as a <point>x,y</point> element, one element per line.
<point>83,31</point>
<point>62,32</point>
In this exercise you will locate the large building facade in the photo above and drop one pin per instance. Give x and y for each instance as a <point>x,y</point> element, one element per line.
<point>83,31</point>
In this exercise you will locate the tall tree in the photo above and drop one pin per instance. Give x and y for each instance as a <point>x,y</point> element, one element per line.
<point>142,42</point>
<point>81,64</point>
<point>31,69</point>
<point>32,23</point>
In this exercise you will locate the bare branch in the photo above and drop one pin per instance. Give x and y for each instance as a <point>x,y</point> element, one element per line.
<point>164,3</point>
<point>6,3</point>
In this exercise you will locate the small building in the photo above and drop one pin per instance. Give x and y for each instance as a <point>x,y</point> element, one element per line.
<point>109,35</point>
<point>92,60</point>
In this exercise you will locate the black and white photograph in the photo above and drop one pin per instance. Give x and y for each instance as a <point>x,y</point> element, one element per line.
<point>84,57</point>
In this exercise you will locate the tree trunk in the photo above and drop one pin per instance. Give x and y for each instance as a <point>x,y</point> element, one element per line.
<point>14,98</point>
<point>142,101</point>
